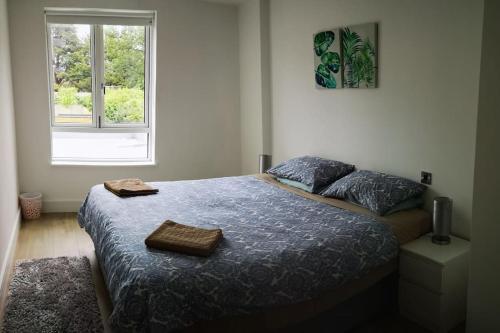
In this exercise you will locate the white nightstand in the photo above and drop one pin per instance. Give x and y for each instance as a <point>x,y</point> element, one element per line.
<point>433,282</point>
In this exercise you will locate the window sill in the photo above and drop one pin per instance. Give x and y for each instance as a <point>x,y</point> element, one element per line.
<point>99,164</point>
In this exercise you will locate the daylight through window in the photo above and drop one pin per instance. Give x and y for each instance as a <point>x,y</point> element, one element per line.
<point>101,82</point>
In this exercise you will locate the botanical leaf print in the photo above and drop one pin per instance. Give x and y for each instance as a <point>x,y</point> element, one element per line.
<point>322,41</point>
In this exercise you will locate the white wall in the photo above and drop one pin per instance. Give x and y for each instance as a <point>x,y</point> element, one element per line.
<point>484,295</point>
<point>250,85</point>
<point>255,103</point>
<point>198,121</point>
<point>422,116</point>
<point>8,169</point>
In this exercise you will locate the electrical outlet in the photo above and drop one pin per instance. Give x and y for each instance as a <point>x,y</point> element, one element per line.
<point>426,178</point>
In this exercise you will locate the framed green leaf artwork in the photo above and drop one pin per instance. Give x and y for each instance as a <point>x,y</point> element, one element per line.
<point>346,57</point>
<point>327,59</point>
<point>359,56</point>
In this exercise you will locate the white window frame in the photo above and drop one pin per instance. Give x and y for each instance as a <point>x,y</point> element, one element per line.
<point>96,18</point>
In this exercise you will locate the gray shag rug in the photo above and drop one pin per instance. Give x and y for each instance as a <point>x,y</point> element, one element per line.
<point>52,295</point>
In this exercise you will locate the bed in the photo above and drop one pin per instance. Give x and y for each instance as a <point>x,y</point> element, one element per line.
<point>281,247</point>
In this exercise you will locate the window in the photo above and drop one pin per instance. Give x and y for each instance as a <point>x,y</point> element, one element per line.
<point>101,73</point>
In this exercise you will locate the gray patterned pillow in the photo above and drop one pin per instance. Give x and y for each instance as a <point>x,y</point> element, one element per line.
<point>376,191</point>
<point>314,172</point>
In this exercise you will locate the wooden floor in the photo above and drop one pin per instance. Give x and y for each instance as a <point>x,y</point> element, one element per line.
<point>55,235</point>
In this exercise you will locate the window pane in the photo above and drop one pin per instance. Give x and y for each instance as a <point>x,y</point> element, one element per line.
<point>72,82</point>
<point>99,146</point>
<point>124,49</point>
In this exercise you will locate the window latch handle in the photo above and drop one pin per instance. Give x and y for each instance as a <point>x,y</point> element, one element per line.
<point>103,87</point>
<point>99,122</point>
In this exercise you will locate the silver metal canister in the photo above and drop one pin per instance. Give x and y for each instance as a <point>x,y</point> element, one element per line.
<point>264,163</point>
<point>442,220</point>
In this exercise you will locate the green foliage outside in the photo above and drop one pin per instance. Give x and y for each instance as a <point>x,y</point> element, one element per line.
<point>124,57</point>
<point>124,70</point>
<point>124,105</point>
<point>120,105</point>
<point>66,96</point>
<point>71,59</point>
<point>85,100</point>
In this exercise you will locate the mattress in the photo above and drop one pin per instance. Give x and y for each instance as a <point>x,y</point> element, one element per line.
<point>279,249</point>
<point>407,225</point>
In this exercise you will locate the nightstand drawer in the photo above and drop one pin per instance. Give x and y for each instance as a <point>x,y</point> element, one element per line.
<point>420,305</point>
<point>422,272</point>
<point>433,282</point>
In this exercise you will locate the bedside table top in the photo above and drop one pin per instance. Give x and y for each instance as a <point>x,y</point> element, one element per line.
<point>441,254</point>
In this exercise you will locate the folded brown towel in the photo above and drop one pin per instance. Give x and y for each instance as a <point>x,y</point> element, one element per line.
<point>129,187</point>
<point>183,238</point>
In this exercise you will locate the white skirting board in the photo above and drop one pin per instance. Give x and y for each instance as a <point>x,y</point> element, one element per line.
<point>6,267</point>
<point>61,206</point>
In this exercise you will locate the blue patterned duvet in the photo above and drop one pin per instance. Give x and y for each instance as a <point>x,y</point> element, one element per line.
<point>278,248</point>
